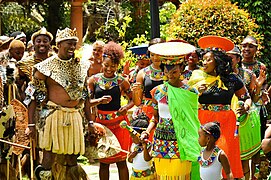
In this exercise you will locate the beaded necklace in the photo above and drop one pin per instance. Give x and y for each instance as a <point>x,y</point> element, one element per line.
<point>108,83</point>
<point>210,160</point>
<point>156,74</point>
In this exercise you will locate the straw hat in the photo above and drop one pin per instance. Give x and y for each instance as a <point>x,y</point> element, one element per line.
<point>177,40</point>
<point>172,53</point>
<point>216,43</point>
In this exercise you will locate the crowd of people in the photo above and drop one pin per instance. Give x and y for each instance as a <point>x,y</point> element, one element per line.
<point>197,113</point>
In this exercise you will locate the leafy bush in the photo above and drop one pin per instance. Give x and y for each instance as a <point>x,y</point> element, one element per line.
<point>198,18</point>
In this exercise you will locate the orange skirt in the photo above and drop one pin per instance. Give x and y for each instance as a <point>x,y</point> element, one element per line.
<point>227,141</point>
<point>122,135</point>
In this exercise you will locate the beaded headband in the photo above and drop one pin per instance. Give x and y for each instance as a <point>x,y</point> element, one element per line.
<point>208,132</point>
<point>249,41</point>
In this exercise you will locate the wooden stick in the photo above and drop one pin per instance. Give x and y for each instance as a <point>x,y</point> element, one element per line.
<point>8,167</point>
<point>31,160</point>
<point>20,166</point>
<point>14,144</point>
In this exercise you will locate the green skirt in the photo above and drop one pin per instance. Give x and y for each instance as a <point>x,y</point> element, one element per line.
<point>250,134</point>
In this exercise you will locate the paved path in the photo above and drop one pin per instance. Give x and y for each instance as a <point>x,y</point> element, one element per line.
<point>92,171</point>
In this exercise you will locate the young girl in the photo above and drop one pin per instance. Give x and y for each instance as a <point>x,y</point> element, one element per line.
<point>140,152</point>
<point>212,159</point>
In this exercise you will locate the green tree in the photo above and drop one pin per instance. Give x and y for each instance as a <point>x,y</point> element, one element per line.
<point>14,17</point>
<point>28,18</point>
<point>197,18</point>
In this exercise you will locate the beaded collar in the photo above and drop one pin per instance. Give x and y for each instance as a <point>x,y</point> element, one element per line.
<point>108,83</point>
<point>155,74</point>
<point>210,160</point>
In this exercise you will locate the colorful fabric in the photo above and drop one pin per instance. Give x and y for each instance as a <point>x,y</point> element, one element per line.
<point>227,141</point>
<point>211,168</point>
<point>210,160</point>
<point>187,74</point>
<point>215,107</point>
<point>165,142</point>
<point>122,135</point>
<point>172,169</point>
<point>184,110</point>
<point>255,67</point>
<point>109,116</point>
<point>63,131</point>
<point>150,177</point>
<point>250,133</point>
<point>165,148</point>
<point>143,173</point>
<point>199,77</point>
<point>147,101</point>
<point>154,74</point>
<point>108,83</point>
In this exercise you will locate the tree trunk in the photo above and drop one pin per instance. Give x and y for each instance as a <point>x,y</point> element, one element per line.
<point>54,19</point>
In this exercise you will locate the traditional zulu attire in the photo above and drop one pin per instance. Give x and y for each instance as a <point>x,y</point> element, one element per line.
<point>108,113</point>
<point>141,169</point>
<point>250,125</point>
<point>211,168</point>
<point>153,77</point>
<point>62,131</point>
<point>141,54</point>
<point>175,142</point>
<point>8,92</point>
<point>256,67</point>
<point>26,65</point>
<point>215,106</point>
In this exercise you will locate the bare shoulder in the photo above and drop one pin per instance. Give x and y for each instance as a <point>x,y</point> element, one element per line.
<point>222,156</point>
<point>140,76</point>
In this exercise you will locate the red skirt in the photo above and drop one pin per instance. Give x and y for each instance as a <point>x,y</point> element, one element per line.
<point>227,141</point>
<point>122,135</point>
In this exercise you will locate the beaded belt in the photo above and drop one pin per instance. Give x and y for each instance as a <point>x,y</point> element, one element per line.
<point>215,107</point>
<point>143,173</point>
<point>147,102</point>
<point>109,116</point>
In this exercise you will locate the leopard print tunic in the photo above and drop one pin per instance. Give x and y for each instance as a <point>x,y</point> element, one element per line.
<point>70,74</point>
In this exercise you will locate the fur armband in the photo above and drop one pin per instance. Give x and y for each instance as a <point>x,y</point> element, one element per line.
<point>37,90</point>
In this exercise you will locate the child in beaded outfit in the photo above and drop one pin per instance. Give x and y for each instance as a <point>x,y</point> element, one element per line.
<point>139,156</point>
<point>212,159</point>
